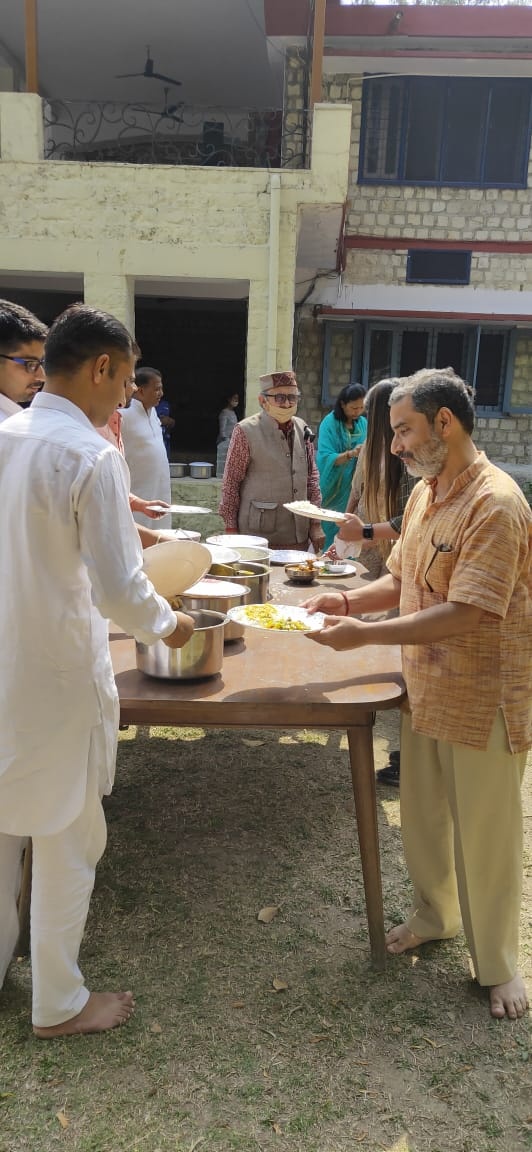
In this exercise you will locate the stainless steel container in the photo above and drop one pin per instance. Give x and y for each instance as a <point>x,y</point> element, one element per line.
<point>258,555</point>
<point>237,541</point>
<point>178,469</point>
<point>201,656</point>
<point>218,596</point>
<point>255,576</point>
<point>201,470</point>
<point>226,556</point>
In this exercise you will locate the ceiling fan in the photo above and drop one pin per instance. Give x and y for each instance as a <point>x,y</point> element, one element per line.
<point>149,73</point>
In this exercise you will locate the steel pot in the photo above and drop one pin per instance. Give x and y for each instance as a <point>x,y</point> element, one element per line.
<point>201,470</point>
<point>202,655</point>
<point>218,596</point>
<point>226,556</point>
<point>255,576</point>
<point>177,470</point>
<point>237,540</point>
<point>258,555</point>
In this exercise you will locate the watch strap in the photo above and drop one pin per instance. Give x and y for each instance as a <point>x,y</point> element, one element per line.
<point>367,532</point>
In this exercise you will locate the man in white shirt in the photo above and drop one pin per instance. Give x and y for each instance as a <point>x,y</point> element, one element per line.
<point>142,435</point>
<point>21,364</point>
<point>74,561</point>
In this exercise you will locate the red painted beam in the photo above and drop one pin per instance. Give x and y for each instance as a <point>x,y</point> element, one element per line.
<point>291,17</point>
<point>392,243</point>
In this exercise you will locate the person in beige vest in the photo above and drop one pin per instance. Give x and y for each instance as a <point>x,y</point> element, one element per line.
<point>270,462</point>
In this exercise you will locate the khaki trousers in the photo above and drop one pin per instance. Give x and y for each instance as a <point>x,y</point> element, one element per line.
<point>462,830</point>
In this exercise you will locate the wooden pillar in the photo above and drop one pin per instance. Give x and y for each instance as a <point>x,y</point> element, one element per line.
<point>30,16</point>
<point>318,40</point>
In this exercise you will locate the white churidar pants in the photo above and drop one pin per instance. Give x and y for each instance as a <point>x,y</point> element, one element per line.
<point>461,820</point>
<point>62,882</point>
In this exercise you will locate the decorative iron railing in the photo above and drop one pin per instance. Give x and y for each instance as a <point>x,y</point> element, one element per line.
<point>175,134</point>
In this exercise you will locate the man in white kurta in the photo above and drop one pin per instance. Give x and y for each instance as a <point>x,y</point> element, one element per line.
<point>144,448</point>
<point>21,350</point>
<point>73,562</point>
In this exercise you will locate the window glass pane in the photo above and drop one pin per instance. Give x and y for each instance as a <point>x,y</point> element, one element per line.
<point>450,351</point>
<point>489,381</point>
<point>507,133</point>
<point>380,355</point>
<point>414,352</point>
<point>425,121</point>
<point>340,352</point>
<point>383,108</point>
<point>464,131</point>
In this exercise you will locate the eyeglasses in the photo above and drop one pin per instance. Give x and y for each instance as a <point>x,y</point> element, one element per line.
<point>32,365</point>
<point>284,397</point>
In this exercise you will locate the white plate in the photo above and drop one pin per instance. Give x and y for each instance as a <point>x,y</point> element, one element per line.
<point>234,539</point>
<point>291,556</point>
<point>174,565</point>
<point>244,614</point>
<point>181,509</point>
<point>314,512</point>
<point>342,570</point>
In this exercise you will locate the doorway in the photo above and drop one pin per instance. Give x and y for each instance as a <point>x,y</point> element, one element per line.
<point>199,346</point>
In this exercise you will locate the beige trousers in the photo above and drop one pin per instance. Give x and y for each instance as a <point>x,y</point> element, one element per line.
<point>461,820</point>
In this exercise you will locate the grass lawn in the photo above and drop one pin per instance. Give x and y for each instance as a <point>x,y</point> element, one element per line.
<point>261,1036</point>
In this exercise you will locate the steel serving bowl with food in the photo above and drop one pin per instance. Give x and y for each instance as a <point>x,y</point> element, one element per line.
<point>217,596</point>
<point>202,655</point>
<point>303,573</point>
<point>255,576</point>
<point>257,555</point>
<point>221,555</point>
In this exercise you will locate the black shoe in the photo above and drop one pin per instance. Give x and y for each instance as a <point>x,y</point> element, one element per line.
<point>390,774</point>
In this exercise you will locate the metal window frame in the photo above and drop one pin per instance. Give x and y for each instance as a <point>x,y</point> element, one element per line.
<point>407,82</point>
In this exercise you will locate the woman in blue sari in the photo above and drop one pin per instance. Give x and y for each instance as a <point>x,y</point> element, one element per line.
<point>341,435</point>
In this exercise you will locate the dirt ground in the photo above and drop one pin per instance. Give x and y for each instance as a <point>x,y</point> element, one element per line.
<point>251,1035</point>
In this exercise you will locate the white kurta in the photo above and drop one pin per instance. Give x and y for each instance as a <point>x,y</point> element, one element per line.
<point>142,435</point>
<point>70,560</point>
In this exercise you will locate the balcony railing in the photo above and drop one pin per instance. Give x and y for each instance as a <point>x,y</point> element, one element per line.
<point>175,134</point>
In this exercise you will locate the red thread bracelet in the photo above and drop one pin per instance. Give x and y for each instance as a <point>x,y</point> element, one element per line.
<point>344,594</point>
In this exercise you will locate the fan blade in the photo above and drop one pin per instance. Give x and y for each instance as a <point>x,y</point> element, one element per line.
<point>128,75</point>
<point>166,79</point>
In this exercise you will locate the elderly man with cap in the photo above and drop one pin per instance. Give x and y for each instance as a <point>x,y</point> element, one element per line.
<point>270,461</point>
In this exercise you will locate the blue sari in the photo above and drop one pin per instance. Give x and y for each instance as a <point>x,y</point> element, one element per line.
<point>334,437</point>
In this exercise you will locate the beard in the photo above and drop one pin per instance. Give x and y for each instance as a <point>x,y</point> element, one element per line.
<point>429,460</point>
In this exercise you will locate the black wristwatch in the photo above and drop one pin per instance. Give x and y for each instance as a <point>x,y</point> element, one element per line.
<point>367,532</point>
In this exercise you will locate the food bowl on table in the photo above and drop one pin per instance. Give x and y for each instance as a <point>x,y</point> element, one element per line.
<point>335,568</point>
<point>217,596</point>
<point>257,555</point>
<point>201,656</point>
<point>300,573</point>
<point>255,576</point>
<point>226,556</point>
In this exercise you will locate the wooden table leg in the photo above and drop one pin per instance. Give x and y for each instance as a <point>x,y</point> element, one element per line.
<point>24,901</point>
<point>360,740</point>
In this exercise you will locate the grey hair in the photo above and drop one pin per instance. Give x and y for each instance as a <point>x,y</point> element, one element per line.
<point>433,388</point>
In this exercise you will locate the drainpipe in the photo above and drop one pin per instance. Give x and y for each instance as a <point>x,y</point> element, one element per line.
<point>273,271</point>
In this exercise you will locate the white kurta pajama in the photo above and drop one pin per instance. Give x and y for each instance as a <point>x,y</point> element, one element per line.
<point>7,408</point>
<point>147,460</point>
<point>71,560</point>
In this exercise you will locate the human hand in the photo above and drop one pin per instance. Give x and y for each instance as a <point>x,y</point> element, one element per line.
<point>182,632</point>
<point>326,602</point>
<point>317,536</point>
<point>154,509</point>
<point>351,528</point>
<point>340,633</point>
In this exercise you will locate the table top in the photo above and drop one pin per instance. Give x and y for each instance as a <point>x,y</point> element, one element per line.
<point>268,678</point>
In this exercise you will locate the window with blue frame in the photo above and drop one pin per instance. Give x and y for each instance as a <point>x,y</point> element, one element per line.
<point>483,355</point>
<point>445,130</point>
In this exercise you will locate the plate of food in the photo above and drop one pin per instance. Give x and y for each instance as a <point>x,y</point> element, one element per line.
<point>277,617</point>
<point>179,509</point>
<point>304,573</point>
<point>337,568</point>
<point>290,556</point>
<point>314,512</point>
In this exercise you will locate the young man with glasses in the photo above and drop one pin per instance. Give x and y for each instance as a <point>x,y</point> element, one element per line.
<point>461,576</point>
<point>270,461</point>
<point>22,338</point>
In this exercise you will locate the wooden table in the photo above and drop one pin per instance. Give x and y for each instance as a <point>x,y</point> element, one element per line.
<point>284,680</point>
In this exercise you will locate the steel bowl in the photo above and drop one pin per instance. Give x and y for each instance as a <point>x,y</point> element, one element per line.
<point>201,656</point>
<point>298,574</point>
<point>257,555</point>
<point>255,576</point>
<point>201,470</point>
<point>226,556</point>
<point>218,596</point>
<point>177,470</point>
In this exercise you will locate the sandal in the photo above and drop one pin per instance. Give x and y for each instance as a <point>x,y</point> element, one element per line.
<point>391,772</point>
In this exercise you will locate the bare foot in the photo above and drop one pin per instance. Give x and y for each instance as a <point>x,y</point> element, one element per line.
<point>400,939</point>
<point>102,1011</point>
<point>509,999</point>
